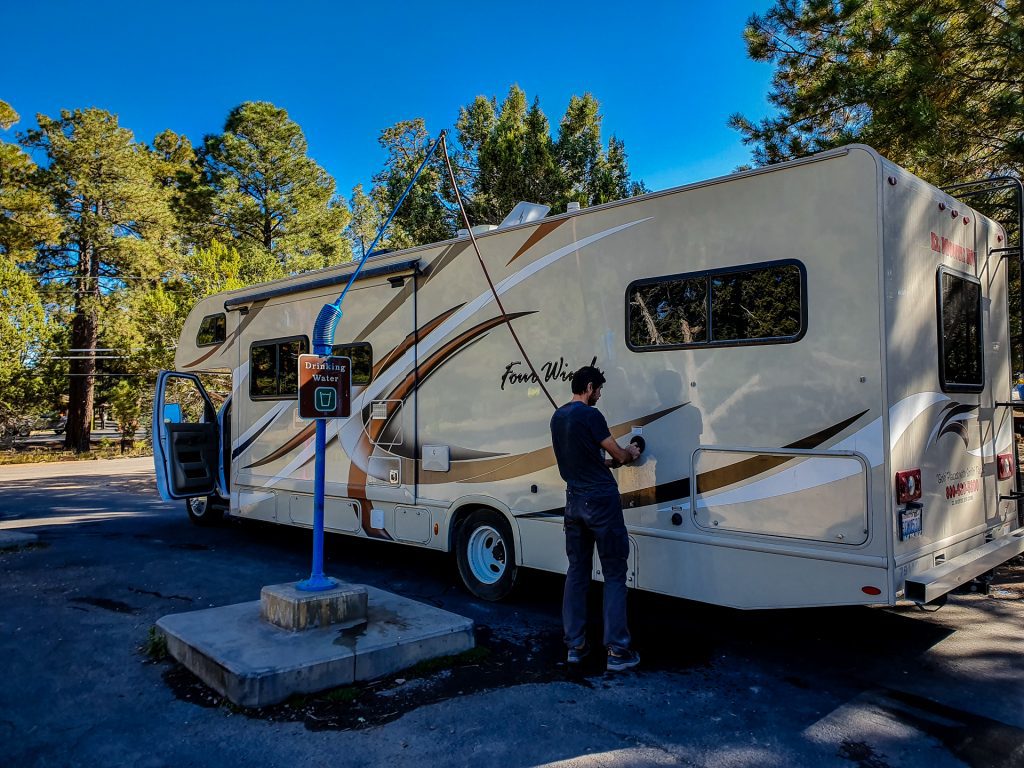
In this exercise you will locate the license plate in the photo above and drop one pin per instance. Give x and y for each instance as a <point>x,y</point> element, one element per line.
<point>910,523</point>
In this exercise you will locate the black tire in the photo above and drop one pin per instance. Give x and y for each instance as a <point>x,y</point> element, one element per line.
<point>486,554</point>
<point>204,510</point>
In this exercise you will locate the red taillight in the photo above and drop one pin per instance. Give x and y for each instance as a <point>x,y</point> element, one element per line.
<point>1005,464</point>
<point>908,486</point>
<point>871,590</point>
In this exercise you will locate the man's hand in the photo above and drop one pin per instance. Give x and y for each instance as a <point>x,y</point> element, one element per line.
<point>619,455</point>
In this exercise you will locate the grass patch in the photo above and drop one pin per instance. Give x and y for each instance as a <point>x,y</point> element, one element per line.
<point>345,695</point>
<point>155,646</point>
<point>430,666</point>
<point>36,455</point>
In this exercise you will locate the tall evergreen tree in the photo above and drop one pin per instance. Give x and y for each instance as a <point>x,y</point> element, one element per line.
<point>579,148</point>
<point>935,85</point>
<point>115,226</point>
<point>268,193</point>
<point>422,217</point>
<point>366,220</point>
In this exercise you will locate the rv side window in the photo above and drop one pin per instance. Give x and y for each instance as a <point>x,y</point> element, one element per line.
<point>760,304</point>
<point>961,366</point>
<point>274,368</point>
<point>361,355</point>
<point>213,330</point>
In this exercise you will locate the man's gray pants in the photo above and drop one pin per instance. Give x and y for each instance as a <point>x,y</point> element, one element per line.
<point>591,520</point>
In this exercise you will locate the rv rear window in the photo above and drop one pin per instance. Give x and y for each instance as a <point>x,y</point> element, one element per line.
<point>361,354</point>
<point>961,365</point>
<point>274,368</point>
<point>757,304</point>
<point>213,330</point>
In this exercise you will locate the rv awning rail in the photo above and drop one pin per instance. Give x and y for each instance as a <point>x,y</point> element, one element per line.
<point>236,302</point>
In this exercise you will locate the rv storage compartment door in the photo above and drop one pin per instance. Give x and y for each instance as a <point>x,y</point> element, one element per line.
<point>186,438</point>
<point>816,496</point>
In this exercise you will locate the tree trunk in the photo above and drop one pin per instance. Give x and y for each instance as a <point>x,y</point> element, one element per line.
<point>84,333</point>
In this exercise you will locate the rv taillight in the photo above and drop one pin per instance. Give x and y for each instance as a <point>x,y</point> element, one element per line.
<point>908,486</point>
<point>1005,463</point>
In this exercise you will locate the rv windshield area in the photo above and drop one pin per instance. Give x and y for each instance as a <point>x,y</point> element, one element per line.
<point>960,356</point>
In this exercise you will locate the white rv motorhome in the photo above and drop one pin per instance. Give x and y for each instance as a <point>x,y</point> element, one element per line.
<point>816,354</point>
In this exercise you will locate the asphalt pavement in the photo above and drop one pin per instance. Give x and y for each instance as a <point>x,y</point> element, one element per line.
<point>849,687</point>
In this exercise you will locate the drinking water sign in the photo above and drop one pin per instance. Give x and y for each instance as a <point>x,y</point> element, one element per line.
<point>324,387</point>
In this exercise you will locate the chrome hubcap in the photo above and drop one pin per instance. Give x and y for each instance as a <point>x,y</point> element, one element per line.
<point>198,506</point>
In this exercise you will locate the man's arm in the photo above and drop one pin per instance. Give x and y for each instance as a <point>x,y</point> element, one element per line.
<point>619,455</point>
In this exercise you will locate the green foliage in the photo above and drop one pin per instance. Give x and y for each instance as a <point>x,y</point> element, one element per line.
<point>935,85</point>
<point>221,267</point>
<point>504,154</point>
<point>116,227</point>
<point>422,217</point>
<point>126,405</point>
<point>266,192</point>
<point>155,646</point>
<point>365,222</point>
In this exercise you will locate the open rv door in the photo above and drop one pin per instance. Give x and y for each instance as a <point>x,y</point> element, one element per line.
<point>186,437</point>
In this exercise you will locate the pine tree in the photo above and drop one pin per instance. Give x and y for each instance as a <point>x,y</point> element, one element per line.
<point>267,193</point>
<point>935,85</point>
<point>115,226</point>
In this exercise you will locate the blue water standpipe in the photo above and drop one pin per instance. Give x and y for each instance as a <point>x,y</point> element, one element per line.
<point>323,342</point>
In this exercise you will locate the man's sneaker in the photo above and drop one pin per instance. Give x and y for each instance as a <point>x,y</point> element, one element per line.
<point>621,659</point>
<point>577,654</point>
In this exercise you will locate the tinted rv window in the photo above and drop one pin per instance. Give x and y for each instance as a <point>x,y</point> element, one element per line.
<point>361,355</point>
<point>960,354</point>
<point>213,330</point>
<point>746,305</point>
<point>274,368</point>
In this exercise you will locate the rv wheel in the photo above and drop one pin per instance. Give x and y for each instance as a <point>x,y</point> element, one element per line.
<point>203,511</point>
<point>486,554</point>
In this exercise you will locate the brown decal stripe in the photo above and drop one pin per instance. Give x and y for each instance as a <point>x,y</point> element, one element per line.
<point>307,432</point>
<point>507,467</point>
<point>538,234</point>
<point>734,473</point>
<point>411,339</point>
<point>447,256</point>
<point>756,465</point>
<point>226,344</point>
<point>442,355</point>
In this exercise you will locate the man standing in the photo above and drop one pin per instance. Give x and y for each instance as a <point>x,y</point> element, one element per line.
<point>593,515</point>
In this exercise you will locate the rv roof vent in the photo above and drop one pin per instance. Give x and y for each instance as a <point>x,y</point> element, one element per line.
<point>573,206</point>
<point>479,229</point>
<point>525,212</point>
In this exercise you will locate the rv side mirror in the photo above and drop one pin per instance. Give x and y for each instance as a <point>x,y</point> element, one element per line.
<point>172,413</point>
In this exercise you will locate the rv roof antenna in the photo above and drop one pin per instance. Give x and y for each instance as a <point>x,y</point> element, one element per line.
<point>323,341</point>
<point>497,298</point>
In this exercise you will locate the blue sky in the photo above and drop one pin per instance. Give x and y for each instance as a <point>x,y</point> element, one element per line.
<point>667,74</point>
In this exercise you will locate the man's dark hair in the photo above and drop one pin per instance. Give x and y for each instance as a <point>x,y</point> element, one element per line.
<point>588,374</point>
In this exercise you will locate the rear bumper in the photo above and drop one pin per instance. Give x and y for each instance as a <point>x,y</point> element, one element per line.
<point>934,583</point>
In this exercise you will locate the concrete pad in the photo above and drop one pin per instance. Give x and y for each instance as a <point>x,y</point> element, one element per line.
<point>287,607</point>
<point>254,663</point>
<point>16,540</point>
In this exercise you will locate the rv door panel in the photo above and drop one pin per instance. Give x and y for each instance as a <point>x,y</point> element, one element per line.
<point>186,437</point>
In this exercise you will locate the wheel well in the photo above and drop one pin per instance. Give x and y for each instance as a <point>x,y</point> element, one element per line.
<point>459,517</point>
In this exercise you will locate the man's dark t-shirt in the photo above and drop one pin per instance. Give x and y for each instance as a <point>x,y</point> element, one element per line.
<point>576,434</point>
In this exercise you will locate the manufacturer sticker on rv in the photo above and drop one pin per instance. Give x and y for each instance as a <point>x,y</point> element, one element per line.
<point>910,522</point>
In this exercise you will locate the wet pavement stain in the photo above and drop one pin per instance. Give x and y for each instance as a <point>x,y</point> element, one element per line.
<point>102,602</point>
<point>493,664</point>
